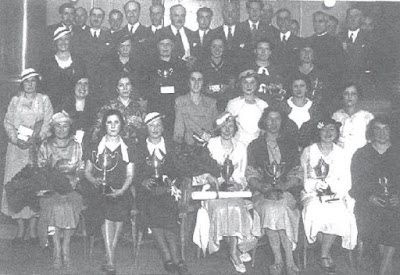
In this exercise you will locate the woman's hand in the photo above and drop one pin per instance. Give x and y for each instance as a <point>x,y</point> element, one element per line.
<point>115,193</point>
<point>99,182</point>
<point>394,200</point>
<point>149,184</point>
<point>375,200</point>
<point>213,182</point>
<point>206,136</point>
<point>321,186</point>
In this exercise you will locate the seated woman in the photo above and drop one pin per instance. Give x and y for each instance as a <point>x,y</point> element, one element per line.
<point>303,113</point>
<point>130,109</point>
<point>376,178</point>
<point>194,112</point>
<point>354,121</point>
<point>155,201</point>
<point>248,108</point>
<point>113,188</point>
<point>61,210</point>
<point>328,208</point>
<point>219,73</point>
<point>229,218</point>
<point>272,201</point>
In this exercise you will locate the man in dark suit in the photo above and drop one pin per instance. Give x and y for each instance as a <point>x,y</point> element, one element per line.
<point>81,17</point>
<point>356,45</point>
<point>95,44</point>
<point>267,14</point>
<point>185,41</point>
<point>287,45</point>
<point>204,18</point>
<point>141,35</point>
<point>115,18</point>
<point>156,18</point>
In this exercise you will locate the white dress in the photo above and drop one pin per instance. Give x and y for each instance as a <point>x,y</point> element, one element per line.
<point>337,217</point>
<point>352,132</point>
<point>247,118</point>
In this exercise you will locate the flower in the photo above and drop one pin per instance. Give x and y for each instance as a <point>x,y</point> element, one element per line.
<point>320,125</point>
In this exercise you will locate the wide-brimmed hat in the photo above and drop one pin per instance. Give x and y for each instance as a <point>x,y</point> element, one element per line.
<point>27,73</point>
<point>223,119</point>
<point>150,117</point>
<point>328,121</point>
<point>247,74</point>
<point>162,35</point>
<point>60,32</point>
<point>59,117</point>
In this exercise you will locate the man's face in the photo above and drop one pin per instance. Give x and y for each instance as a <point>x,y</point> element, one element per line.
<point>68,16</point>
<point>156,15</point>
<point>354,19</point>
<point>81,16</point>
<point>320,24</point>
<point>125,48</point>
<point>96,18</point>
<point>165,47</point>
<point>178,16</point>
<point>115,21</point>
<point>230,14</point>
<point>132,13</point>
<point>204,20</point>
<point>263,51</point>
<point>283,20</point>
<point>306,55</point>
<point>254,11</point>
<point>267,14</point>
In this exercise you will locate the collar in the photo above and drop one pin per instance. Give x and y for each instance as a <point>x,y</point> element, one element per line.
<point>175,30</point>
<point>134,27</point>
<point>156,28</point>
<point>354,33</point>
<point>124,102</point>
<point>226,28</point>
<point>84,27</point>
<point>94,31</point>
<point>251,23</point>
<point>286,34</point>
<point>158,149</point>
<point>203,32</point>
<point>105,144</point>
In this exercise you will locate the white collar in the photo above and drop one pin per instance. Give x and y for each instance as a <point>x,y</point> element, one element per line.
<point>63,64</point>
<point>157,148</point>
<point>156,28</point>
<point>354,33</point>
<point>134,27</point>
<point>175,30</point>
<point>286,34</point>
<point>251,23</point>
<point>203,32</point>
<point>104,143</point>
<point>94,31</point>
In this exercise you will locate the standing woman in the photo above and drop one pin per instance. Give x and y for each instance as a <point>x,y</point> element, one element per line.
<point>325,220</point>
<point>32,110</point>
<point>60,69</point>
<point>374,167</point>
<point>354,121</point>
<point>194,112</point>
<point>116,204</point>
<point>248,108</point>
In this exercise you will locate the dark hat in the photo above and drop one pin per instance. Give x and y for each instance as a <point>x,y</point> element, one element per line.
<point>163,35</point>
<point>247,74</point>
<point>124,38</point>
<point>328,121</point>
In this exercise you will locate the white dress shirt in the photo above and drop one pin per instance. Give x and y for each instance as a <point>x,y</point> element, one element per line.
<point>226,30</point>
<point>353,34</point>
<point>134,27</point>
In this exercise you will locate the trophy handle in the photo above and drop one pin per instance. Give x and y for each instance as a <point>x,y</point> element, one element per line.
<point>95,160</point>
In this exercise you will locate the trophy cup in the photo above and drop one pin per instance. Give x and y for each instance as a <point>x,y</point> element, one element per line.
<point>384,197</point>
<point>105,162</point>
<point>321,171</point>
<point>156,164</point>
<point>274,171</point>
<point>226,173</point>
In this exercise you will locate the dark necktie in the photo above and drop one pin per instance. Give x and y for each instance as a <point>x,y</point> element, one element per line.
<point>179,43</point>
<point>230,35</point>
<point>351,38</point>
<point>253,29</point>
<point>132,32</point>
<point>284,38</point>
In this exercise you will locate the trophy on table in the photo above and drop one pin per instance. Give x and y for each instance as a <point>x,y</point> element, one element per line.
<point>105,162</point>
<point>156,163</point>
<point>321,171</point>
<point>226,173</point>
<point>274,171</point>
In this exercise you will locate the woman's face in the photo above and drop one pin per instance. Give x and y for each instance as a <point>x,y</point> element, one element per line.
<point>196,82</point>
<point>29,85</point>
<point>299,88</point>
<point>350,96</point>
<point>228,130</point>
<point>263,51</point>
<point>125,48</point>
<point>273,122</point>
<point>124,88</point>
<point>61,130</point>
<point>217,48</point>
<point>63,43</point>
<point>249,85</point>
<point>113,125</point>
<point>82,88</point>
<point>328,133</point>
<point>381,133</point>
<point>155,129</point>
<point>307,55</point>
<point>165,47</point>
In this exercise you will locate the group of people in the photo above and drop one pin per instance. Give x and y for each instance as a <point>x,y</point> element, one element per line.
<point>127,114</point>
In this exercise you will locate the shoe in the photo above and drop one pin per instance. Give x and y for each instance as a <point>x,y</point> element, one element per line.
<point>182,268</point>
<point>276,269</point>
<point>245,257</point>
<point>241,268</point>
<point>170,266</point>
<point>327,265</point>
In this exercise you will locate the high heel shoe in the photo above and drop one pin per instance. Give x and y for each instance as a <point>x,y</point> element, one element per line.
<point>241,268</point>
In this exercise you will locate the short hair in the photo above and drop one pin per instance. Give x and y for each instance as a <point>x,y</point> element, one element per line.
<point>249,2</point>
<point>382,119</point>
<point>158,5</point>
<point>264,40</point>
<point>300,76</point>
<point>272,108</point>
<point>177,6</point>
<point>352,83</point>
<point>115,11</point>
<point>109,113</point>
<point>65,6</point>
<point>204,9</point>
<point>97,8</point>
<point>324,14</point>
<point>333,18</point>
<point>283,10</point>
<point>137,3</point>
<point>351,9</point>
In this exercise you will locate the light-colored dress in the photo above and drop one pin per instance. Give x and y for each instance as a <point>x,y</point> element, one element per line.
<point>352,132</point>
<point>247,118</point>
<point>23,111</point>
<point>336,217</point>
<point>231,217</point>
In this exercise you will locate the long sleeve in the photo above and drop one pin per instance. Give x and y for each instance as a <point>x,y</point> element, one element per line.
<point>47,114</point>
<point>8,120</point>
<point>179,127</point>
<point>309,182</point>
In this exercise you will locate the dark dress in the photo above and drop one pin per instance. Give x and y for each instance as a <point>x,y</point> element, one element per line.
<point>376,224</point>
<point>156,210</point>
